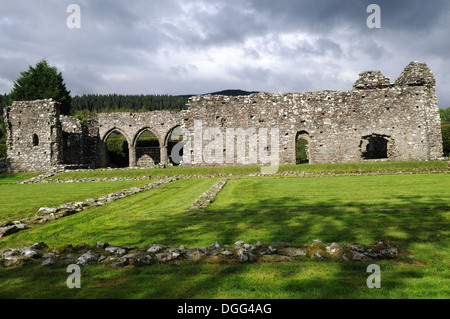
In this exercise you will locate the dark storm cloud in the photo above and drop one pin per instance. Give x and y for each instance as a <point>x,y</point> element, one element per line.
<point>323,15</point>
<point>198,46</point>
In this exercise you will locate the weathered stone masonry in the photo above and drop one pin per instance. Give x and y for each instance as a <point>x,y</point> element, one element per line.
<point>376,120</point>
<point>132,126</point>
<point>34,135</point>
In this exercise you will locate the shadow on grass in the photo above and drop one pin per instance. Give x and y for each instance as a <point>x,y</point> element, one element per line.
<point>407,221</point>
<point>415,219</point>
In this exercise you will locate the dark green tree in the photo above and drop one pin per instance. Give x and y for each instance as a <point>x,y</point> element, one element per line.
<point>443,115</point>
<point>42,82</point>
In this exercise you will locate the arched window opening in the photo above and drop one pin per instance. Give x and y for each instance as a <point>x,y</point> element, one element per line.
<point>175,146</point>
<point>302,148</point>
<point>117,150</point>
<point>148,153</point>
<point>66,147</point>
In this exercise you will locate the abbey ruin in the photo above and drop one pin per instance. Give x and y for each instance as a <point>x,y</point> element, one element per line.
<point>375,121</point>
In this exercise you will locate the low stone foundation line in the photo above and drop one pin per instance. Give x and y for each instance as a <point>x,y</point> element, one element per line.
<point>43,178</point>
<point>85,180</point>
<point>207,198</point>
<point>240,252</point>
<point>46,214</point>
<point>37,179</point>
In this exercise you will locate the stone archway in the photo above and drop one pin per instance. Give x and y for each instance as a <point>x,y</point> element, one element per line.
<point>147,149</point>
<point>116,150</point>
<point>302,148</point>
<point>172,145</point>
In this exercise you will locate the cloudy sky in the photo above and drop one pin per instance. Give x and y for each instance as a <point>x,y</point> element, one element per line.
<point>200,46</point>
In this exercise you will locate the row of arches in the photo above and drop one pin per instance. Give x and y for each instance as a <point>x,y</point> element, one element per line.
<point>146,150</point>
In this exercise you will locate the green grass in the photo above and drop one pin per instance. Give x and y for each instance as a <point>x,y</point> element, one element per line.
<point>20,201</point>
<point>411,210</point>
<point>138,220</point>
<point>12,178</point>
<point>157,172</point>
<point>366,166</point>
<point>302,280</point>
<point>332,209</point>
<point>245,170</point>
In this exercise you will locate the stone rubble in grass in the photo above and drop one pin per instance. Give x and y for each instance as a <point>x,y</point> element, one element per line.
<point>46,214</point>
<point>156,248</point>
<point>207,198</point>
<point>44,179</point>
<point>240,252</point>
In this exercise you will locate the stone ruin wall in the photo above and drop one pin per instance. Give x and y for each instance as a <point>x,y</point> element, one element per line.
<point>339,126</point>
<point>334,123</point>
<point>132,126</point>
<point>40,139</point>
<point>148,157</point>
<point>74,141</point>
<point>33,135</point>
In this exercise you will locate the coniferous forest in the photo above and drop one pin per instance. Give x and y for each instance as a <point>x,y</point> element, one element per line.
<point>137,103</point>
<point>93,103</point>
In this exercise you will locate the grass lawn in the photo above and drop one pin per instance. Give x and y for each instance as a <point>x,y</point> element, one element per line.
<point>20,201</point>
<point>411,210</point>
<point>137,220</point>
<point>299,280</point>
<point>245,170</point>
<point>12,178</point>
